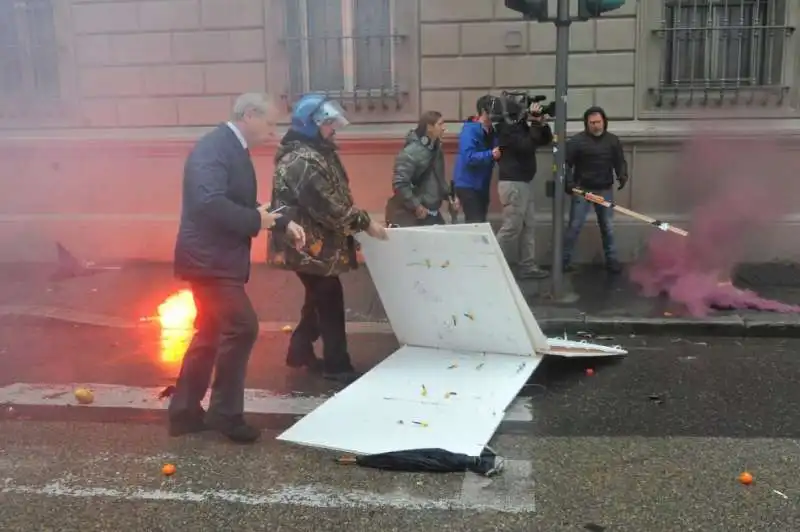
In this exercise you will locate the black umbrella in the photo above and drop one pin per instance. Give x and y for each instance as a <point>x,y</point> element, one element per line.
<point>430,461</point>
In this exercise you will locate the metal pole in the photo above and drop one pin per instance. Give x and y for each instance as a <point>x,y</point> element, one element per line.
<point>560,146</point>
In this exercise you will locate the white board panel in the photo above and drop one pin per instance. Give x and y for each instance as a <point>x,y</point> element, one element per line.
<point>385,410</point>
<point>470,344</point>
<point>447,290</point>
<point>546,346</point>
<point>419,374</point>
<point>581,348</point>
<point>535,333</point>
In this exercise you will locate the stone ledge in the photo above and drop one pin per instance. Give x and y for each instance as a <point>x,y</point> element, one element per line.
<point>770,326</point>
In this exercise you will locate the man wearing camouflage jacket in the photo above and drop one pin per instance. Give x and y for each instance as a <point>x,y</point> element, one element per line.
<point>312,186</point>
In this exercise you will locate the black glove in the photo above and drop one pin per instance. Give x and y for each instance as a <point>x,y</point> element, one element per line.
<point>623,180</point>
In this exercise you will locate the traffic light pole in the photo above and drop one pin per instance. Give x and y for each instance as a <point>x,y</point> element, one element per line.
<point>562,23</point>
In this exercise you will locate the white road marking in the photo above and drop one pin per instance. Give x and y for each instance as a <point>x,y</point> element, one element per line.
<point>146,398</point>
<point>509,492</point>
<point>512,489</point>
<point>294,495</point>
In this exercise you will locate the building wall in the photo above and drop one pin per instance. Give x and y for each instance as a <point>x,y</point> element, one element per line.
<point>99,165</point>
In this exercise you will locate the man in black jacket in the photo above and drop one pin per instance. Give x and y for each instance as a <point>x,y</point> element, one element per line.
<point>219,217</point>
<point>518,139</point>
<point>594,157</point>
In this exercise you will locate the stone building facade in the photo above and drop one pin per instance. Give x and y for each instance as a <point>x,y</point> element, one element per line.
<point>100,100</point>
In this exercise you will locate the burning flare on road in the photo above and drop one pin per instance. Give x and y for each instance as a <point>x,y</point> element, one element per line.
<point>176,316</point>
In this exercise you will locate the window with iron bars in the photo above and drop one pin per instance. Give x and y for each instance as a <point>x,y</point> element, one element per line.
<point>28,49</point>
<point>345,48</point>
<point>717,48</point>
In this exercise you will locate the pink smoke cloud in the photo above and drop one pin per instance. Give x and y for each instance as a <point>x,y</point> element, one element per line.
<point>735,189</point>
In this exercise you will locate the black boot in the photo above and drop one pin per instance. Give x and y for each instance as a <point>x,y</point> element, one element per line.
<point>613,267</point>
<point>234,428</point>
<point>306,360</point>
<point>342,377</point>
<point>183,423</point>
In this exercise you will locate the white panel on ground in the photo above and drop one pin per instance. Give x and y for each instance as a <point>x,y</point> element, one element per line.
<point>418,398</point>
<point>470,343</point>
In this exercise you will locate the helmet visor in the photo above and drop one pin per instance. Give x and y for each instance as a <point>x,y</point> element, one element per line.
<point>331,113</point>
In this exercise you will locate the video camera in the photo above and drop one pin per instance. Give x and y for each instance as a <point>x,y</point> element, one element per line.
<point>518,104</point>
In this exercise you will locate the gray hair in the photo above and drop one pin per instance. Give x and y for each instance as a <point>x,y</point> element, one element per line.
<point>251,101</point>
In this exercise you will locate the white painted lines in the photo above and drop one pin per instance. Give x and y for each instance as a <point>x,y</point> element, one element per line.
<point>146,398</point>
<point>307,495</point>
<point>510,492</point>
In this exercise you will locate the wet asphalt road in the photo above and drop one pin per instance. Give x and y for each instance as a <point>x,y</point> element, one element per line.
<point>653,442</point>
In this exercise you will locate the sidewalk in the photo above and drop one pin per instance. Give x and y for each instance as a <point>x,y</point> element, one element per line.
<point>612,305</point>
<point>604,305</point>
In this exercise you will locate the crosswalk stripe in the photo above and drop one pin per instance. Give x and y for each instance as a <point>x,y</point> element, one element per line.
<point>294,495</point>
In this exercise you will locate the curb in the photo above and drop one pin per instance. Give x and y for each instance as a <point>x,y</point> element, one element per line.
<point>781,326</point>
<point>724,326</point>
<point>116,322</point>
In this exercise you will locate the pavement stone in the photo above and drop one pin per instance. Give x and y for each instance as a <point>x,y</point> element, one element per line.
<point>605,305</point>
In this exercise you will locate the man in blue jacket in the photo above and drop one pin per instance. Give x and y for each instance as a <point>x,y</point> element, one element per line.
<point>477,153</point>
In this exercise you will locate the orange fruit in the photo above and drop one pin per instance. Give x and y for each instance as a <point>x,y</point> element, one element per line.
<point>590,372</point>
<point>746,478</point>
<point>84,396</point>
<point>168,470</point>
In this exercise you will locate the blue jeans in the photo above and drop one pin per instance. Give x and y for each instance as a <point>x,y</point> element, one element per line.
<point>578,212</point>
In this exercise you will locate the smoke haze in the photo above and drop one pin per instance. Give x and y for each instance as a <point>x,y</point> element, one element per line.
<point>734,188</point>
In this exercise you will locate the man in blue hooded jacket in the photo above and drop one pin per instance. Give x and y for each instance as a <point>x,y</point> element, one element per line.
<point>477,153</point>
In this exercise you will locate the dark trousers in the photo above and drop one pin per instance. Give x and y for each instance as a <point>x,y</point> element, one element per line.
<point>226,330</point>
<point>323,316</point>
<point>578,212</point>
<point>474,203</point>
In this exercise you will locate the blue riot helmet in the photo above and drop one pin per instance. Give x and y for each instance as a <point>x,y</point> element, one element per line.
<point>314,110</point>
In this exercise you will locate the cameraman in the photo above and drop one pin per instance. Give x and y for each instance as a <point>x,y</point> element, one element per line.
<point>522,131</point>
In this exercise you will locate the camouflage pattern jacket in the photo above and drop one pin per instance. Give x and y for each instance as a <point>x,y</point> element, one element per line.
<point>311,183</point>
